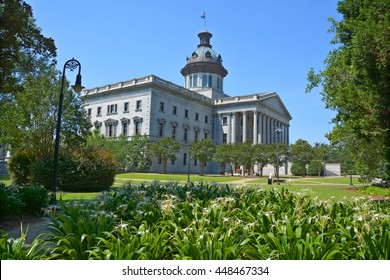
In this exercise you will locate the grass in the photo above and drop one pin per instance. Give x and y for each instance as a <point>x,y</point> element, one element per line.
<point>6,180</point>
<point>176,177</point>
<point>76,196</point>
<point>324,188</point>
<point>379,191</point>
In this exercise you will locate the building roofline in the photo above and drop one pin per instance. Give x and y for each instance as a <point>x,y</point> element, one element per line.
<point>250,99</point>
<point>144,82</point>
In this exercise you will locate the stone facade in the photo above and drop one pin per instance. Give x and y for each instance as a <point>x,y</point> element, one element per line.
<point>157,108</point>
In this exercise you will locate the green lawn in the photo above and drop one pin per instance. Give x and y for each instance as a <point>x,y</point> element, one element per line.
<point>325,188</point>
<point>176,177</point>
<point>75,196</point>
<point>5,179</point>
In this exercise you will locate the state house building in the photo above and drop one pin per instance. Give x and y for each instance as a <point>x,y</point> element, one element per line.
<point>201,109</point>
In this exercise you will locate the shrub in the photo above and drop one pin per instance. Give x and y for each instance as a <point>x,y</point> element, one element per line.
<point>34,198</point>
<point>19,166</point>
<point>79,170</point>
<point>10,202</point>
<point>296,169</point>
<point>312,169</point>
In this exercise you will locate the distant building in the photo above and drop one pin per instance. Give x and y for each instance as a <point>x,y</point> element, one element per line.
<point>4,157</point>
<point>157,108</point>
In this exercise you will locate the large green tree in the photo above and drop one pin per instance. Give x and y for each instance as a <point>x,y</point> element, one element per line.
<point>22,46</point>
<point>356,83</point>
<point>261,156</point>
<point>277,154</point>
<point>203,151</point>
<point>245,156</point>
<point>319,156</point>
<point>131,155</point>
<point>223,155</point>
<point>139,157</point>
<point>29,120</point>
<point>165,148</point>
<point>301,153</point>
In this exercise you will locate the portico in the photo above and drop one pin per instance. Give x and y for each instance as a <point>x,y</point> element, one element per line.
<point>255,119</point>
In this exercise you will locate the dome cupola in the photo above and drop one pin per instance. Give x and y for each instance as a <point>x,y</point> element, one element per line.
<point>204,71</point>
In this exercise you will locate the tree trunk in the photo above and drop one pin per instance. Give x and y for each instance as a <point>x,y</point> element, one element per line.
<point>164,166</point>
<point>201,167</point>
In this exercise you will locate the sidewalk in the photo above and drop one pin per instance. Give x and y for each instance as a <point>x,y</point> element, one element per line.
<point>33,225</point>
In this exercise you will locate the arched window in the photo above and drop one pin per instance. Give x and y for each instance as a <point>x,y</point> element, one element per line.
<point>210,81</point>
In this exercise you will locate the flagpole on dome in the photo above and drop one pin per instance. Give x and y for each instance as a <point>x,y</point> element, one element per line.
<point>203,15</point>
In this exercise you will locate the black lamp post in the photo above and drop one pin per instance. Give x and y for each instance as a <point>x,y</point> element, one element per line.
<point>278,131</point>
<point>71,64</point>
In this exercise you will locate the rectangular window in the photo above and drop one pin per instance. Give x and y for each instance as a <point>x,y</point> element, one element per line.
<point>206,119</point>
<point>160,129</point>
<point>196,135</point>
<point>99,111</point>
<point>125,128</point>
<point>137,125</point>
<point>186,113</point>
<point>112,109</point>
<point>111,130</point>
<point>224,120</point>
<point>139,104</point>
<point>126,107</point>
<point>185,134</point>
<point>161,106</point>
<point>89,112</point>
<point>224,139</point>
<point>184,159</point>
<point>196,116</point>
<point>205,135</point>
<point>174,111</point>
<point>173,132</point>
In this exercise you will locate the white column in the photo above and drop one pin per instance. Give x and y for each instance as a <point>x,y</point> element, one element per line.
<point>254,127</point>
<point>264,129</point>
<point>260,129</point>
<point>244,126</point>
<point>229,132</point>
<point>233,137</point>
<point>288,135</point>
<point>284,133</point>
<point>266,134</point>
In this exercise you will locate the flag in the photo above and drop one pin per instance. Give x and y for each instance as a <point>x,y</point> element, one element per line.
<point>203,15</point>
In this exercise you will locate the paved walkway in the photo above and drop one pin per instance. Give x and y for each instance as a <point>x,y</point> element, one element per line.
<point>34,226</point>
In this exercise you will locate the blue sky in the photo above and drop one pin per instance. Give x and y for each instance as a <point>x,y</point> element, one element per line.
<point>265,45</point>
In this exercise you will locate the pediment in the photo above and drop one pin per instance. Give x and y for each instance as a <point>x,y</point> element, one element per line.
<point>275,103</point>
